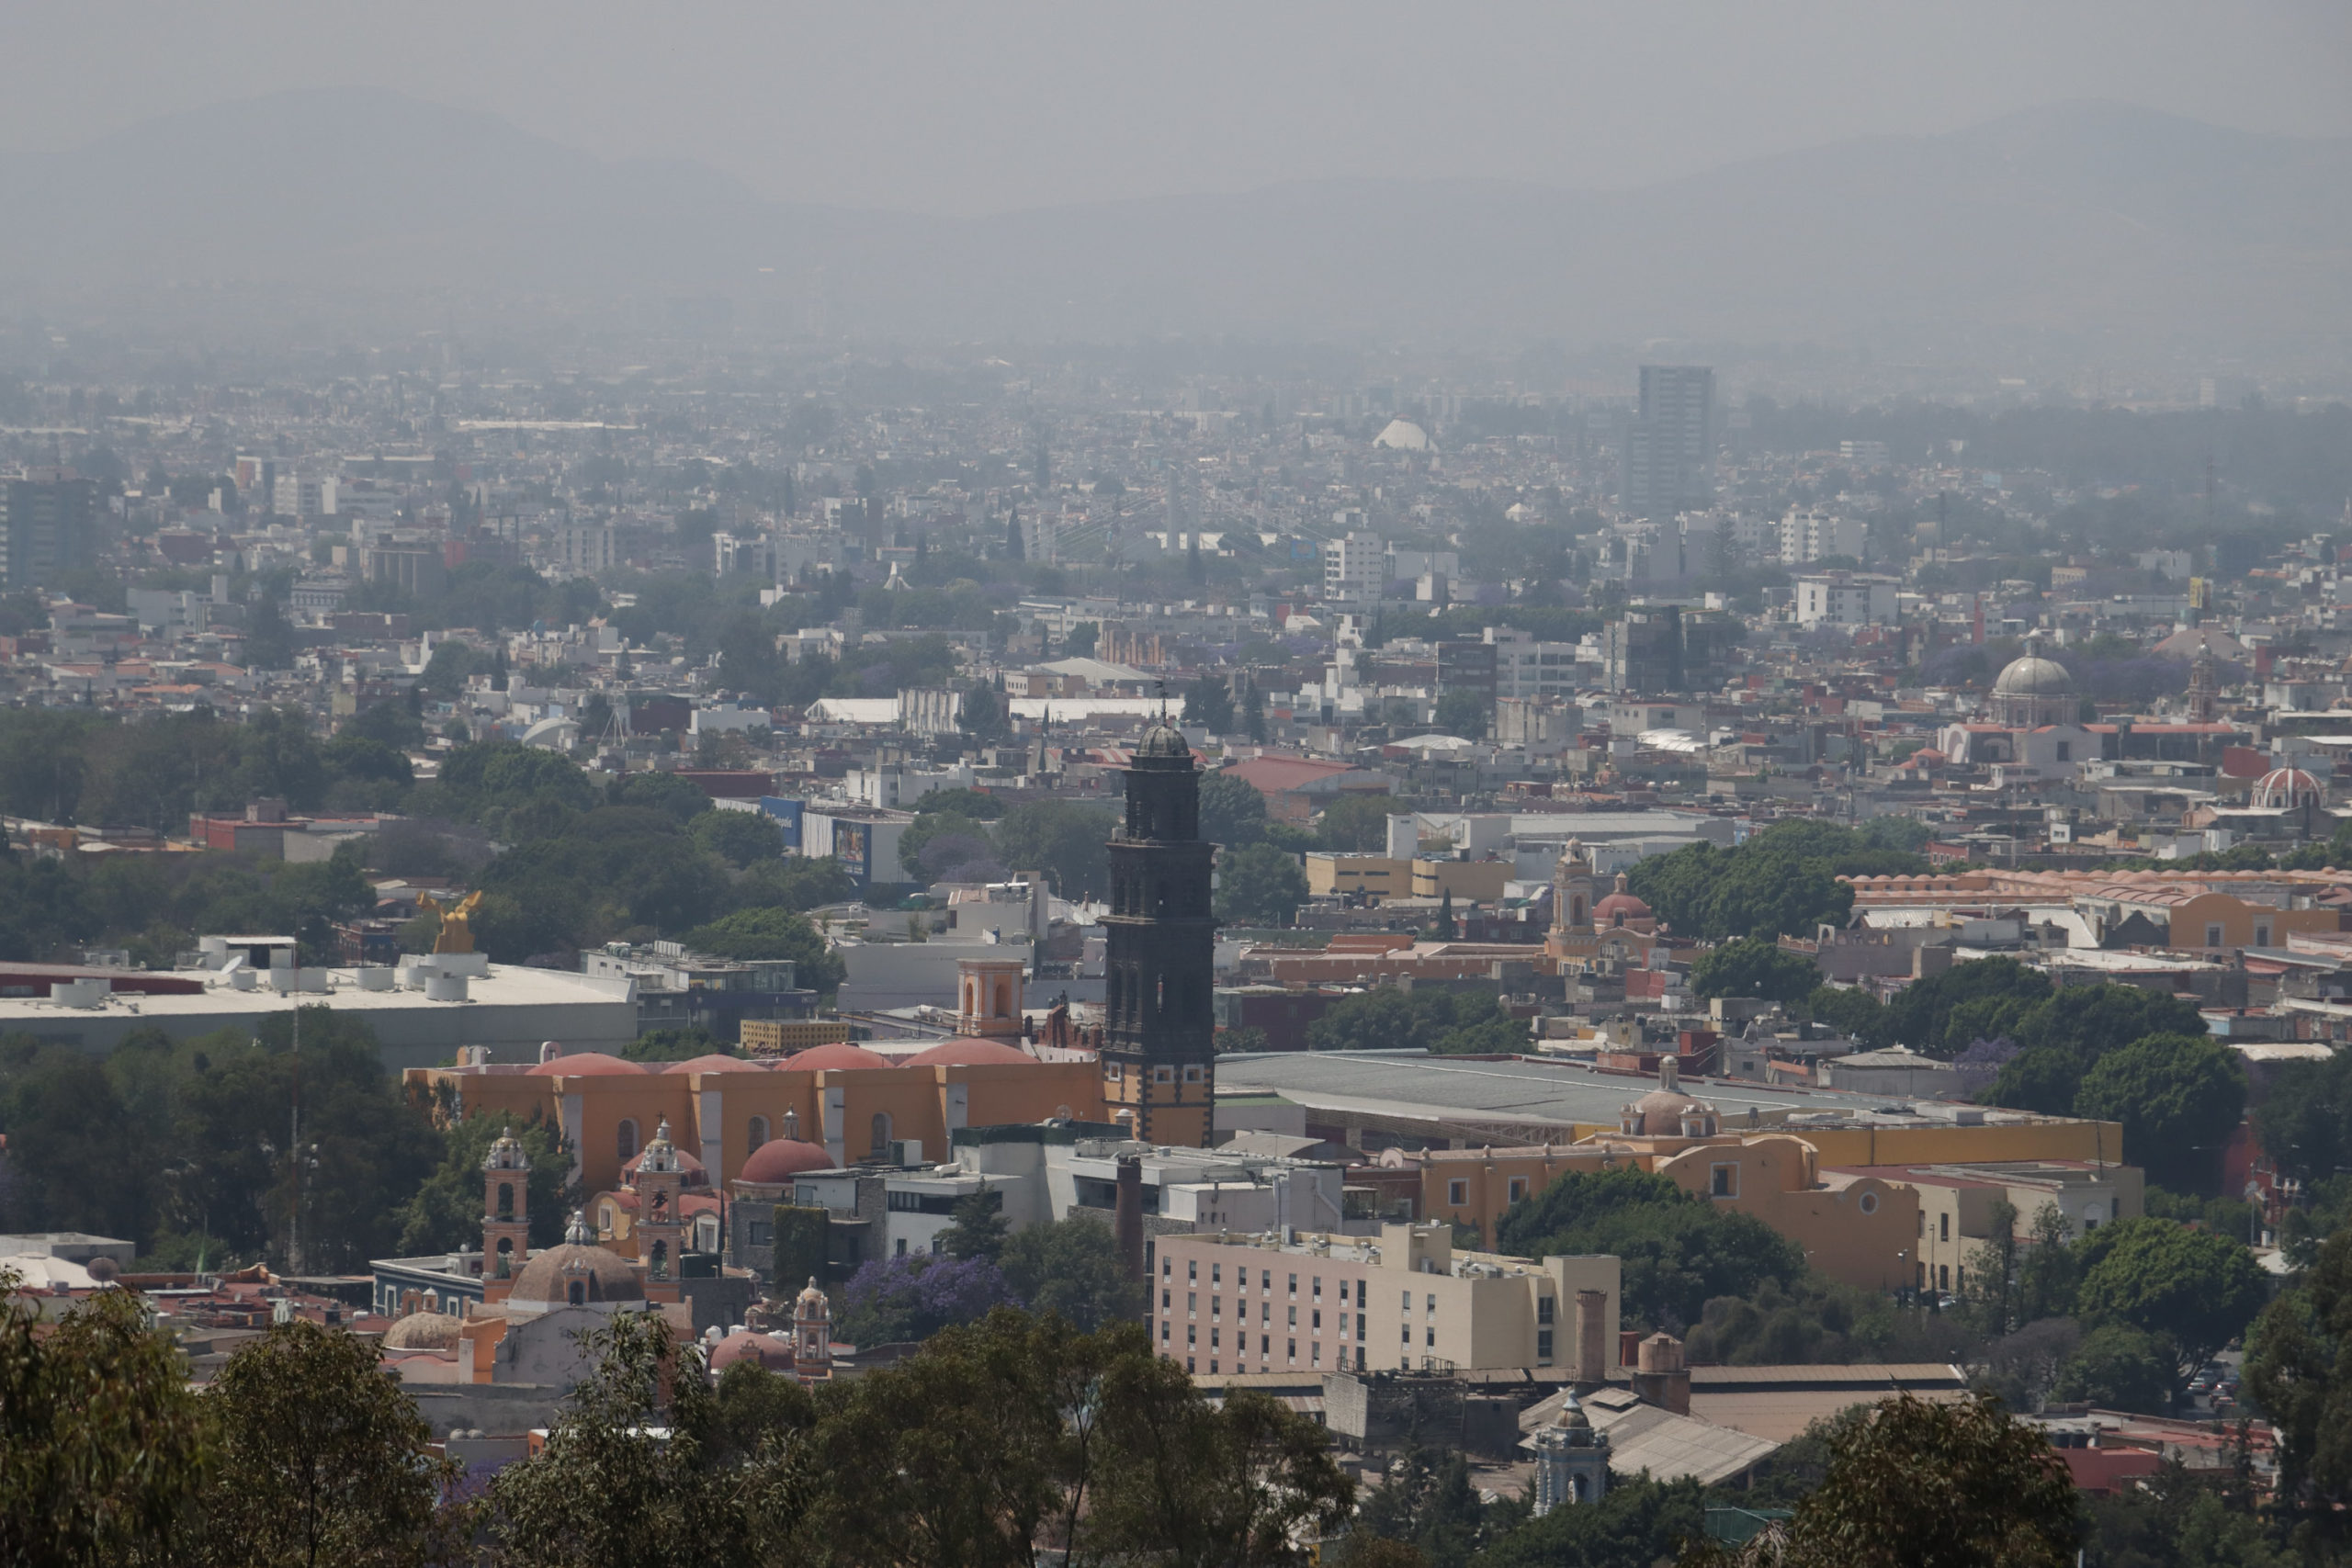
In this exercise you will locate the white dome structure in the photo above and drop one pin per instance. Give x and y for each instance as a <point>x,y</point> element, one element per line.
<point>1403,435</point>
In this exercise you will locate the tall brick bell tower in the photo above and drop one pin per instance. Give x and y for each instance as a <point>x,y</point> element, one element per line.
<point>1158,1053</point>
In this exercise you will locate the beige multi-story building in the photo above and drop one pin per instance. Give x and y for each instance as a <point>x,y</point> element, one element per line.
<point>1956,1205</point>
<point>1405,1299</point>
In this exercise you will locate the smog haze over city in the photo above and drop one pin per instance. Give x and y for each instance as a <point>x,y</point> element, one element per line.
<point>1387,785</point>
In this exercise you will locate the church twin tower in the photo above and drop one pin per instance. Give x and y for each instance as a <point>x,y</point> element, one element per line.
<point>1160,952</point>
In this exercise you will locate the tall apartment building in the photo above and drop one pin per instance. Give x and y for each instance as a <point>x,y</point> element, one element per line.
<point>420,569</point>
<point>1525,668</point>
<point>1355,566</point>
<point>1466,666</point>
<point>1847,598</point>
<point>48,526</point>
<point>1404,1299</point>
<point>1810,534</point>
<point>585,548</point>
<point>1663,648</point>
<point>292,495</point>
<point>1669,463</point>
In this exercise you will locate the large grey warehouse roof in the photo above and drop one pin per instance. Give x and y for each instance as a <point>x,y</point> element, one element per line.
<point>1419,1086</point>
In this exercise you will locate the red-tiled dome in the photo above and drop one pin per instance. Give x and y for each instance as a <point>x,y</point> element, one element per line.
<point>2288,787</point>
<point>772,1351</point>
<point>1620,902</point>
<point>969,1051</point>
<point>714,1062</point>
<point>839,1056</point>
<point>780,1159</point>
<point>587,1064</point>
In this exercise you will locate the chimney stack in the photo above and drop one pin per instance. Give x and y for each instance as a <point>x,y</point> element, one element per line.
<point>1592,1339</point>
<point>1126,1217</point>
<point>1663,1379</point>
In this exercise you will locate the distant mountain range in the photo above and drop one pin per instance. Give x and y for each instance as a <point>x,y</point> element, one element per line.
<point>2089,223</point>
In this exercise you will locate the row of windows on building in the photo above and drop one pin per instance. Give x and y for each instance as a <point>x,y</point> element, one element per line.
<point>1115,1072</point>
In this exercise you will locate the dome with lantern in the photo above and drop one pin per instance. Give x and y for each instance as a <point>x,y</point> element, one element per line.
<point>772,1351</point>
<point>577,1273</point>
<point>2034,691</point>
<point>778,1161</point>
<point>1621,908</point>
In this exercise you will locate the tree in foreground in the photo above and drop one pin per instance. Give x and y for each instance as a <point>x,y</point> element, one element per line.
<point>1922,1485</point>
<point>2299,1367</point>
<point>638,1468</point>
<point>318,1456</point>
<point>99,1436</point>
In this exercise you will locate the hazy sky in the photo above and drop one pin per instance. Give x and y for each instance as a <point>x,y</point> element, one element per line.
<point>970,108</point>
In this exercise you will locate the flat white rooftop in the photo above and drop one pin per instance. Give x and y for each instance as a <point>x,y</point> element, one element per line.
<point>509,1011</point>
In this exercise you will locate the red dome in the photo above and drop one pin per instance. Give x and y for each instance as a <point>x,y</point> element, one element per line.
<point>714,1064</point>
<point>588,1063</point>
<point>772,1351</point>
<point>839,1056</point>
<point>780,1159</point>
<point>969,1051</point>
<point>2288,787</point>
<point>1620,903</point>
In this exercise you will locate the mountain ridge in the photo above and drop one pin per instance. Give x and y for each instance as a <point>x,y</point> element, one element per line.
<point>2085,219</point>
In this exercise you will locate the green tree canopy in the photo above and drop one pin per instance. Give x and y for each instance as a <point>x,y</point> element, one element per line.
<point>1232,810</point>
<point>1071,1268</point>
<point>1208,701</point>
<point>101,1436</point>
<point>2198,1290</point>
<point>1451,1023</point>
<point>739,838</point>
<point>1067,843</point>
<point>445,1212</point>
<point>1678,1250</point>
<point>318,1456</point>
<point>2118,1367</point>
<point>769,933</point>
<point>1934,1485</point>
<point>1464,713</point>
<point>1753,967</point>
<point>1259,885</point>
<point>1782,881</point>
<point>2179,1097</point>
<point>2298,1367</point>
<point>1355,824</point>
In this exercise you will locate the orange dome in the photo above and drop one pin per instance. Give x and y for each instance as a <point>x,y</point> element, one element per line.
<point>780,1159</point>
<point>969,1051</point>
<point>839,1056</point>
<point>714,1062</point>
<point>588,1063</point>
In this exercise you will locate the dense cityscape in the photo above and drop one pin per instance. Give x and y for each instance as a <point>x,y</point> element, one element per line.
<point>638,930</point>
